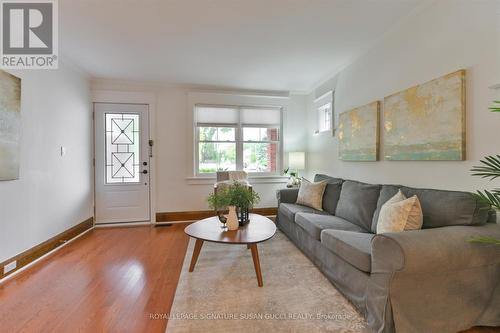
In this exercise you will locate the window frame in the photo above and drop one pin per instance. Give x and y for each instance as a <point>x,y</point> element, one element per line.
<point>320,104</point>
<point>322,111</point>
<point>239,138</point>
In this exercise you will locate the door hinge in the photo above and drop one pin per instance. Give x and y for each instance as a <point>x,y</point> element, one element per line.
<point>93,162</point>
<point>93,115</point>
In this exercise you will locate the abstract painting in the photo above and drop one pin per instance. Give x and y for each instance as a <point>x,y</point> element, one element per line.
<point>427,122</point>
<point>358,133</point>
<point>10,125</point>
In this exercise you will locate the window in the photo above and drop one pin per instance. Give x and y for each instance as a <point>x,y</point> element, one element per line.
<point>237,138</point>
<point>122,148</point>
<point>325,117</point>
<point>324,108</point>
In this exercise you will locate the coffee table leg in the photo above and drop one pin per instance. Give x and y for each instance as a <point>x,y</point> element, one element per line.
<point>196,253</point>
<point>256,263</point>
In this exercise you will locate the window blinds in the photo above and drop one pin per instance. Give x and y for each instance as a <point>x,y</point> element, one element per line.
<point>235,115</point>
<point>261,116</point>
<point>216,115</point>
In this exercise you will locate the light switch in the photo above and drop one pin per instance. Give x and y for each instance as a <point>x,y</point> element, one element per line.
<point>63,151</point>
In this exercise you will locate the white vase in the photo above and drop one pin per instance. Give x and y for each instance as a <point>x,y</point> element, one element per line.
<point>232,219</point>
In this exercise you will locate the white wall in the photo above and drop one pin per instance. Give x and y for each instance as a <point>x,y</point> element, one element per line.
<point>439,39</point>
<point>175,187</point>
<point>53,193</point>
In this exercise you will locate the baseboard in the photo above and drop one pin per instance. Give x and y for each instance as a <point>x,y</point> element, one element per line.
<point>25,258</point>
<point>122,225</point>
<point>202,214</point>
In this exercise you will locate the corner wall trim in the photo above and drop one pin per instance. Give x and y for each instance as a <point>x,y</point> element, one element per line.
<point>202,214</point>
<point>32,254</point>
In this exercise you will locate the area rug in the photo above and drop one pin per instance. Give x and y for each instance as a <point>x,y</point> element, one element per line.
<point>222,295</point>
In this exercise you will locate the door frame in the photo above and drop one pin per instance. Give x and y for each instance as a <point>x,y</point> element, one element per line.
<point>127,97</point>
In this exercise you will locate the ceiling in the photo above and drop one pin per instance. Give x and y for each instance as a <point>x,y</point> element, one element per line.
<point>250,44</point>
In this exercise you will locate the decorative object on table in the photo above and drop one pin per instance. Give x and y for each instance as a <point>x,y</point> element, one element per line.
<point>311,194</point>
<point>235,194</point>
<point>358,133</point>
<point>400,213</point>
<point>296,162</point>
<point>260,230</point>
<point>490,169</point>
<point>10,125</point>
<point>427,122</point>
<point>232,219</point>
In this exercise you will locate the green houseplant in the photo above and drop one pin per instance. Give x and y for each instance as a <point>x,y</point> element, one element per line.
<point>489,169</point>
<point>235,194</point>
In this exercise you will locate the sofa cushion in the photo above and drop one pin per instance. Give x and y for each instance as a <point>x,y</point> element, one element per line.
<point>289,210</point>
<point>311,194</point>
<point>313,224</point>
<point>440,208</point>
<point>400,214</point>
<point>357,203</point>
<point>331,197</point>
<point>353,247</point>
<point>330,180</point>
<point>332,192</point>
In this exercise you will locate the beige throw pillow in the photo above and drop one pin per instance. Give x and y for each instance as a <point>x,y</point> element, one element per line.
<point>311,194</point>
<point>400,214</point>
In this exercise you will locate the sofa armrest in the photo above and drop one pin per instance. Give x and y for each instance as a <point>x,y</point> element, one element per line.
<point>287,195</point>
<point>434,250</point>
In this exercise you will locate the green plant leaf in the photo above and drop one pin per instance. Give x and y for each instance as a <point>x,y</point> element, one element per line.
<point>495,108</point>
<point>235,194</point>
<point>487,197</point>
<point>490,168</point>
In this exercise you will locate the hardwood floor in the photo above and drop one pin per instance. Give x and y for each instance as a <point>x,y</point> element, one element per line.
<point>109,280</point>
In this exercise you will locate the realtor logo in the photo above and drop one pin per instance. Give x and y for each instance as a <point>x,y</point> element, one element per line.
<point>29,34</point>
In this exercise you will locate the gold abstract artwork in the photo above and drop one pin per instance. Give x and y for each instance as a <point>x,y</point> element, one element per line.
<point>358,133</point>
<point>427,122</point>
<point>10,108</point>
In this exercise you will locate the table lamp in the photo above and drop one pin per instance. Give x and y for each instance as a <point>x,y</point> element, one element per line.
<point>296,161</point>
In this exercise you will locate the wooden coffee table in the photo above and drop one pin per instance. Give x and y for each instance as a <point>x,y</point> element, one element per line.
<point>258,230</point>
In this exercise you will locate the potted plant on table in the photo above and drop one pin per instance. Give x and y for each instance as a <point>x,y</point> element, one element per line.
<point>235,197</point>
<point>489,169</point>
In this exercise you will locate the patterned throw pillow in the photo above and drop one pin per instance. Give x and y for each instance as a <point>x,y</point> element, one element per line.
<point>399,214</point>
<point>311,194</point>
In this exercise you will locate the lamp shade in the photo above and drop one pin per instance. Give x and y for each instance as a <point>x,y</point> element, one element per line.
<point>297,160</point>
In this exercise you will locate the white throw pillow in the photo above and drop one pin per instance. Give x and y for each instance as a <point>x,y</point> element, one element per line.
<point>311,194</point>
<point>400,214</point>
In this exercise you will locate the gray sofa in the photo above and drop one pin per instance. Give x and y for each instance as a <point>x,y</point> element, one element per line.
<point>429,280</point>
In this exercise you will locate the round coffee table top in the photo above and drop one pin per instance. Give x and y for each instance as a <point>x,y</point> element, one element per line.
<point>259,229</point>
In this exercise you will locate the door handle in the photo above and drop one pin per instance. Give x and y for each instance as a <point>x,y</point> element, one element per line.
<point>144,171</point>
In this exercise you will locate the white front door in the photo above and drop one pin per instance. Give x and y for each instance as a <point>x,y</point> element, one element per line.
<point>122,190</point>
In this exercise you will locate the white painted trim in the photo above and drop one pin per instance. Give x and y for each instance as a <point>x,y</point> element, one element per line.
<point>8,277</point>
<point>233,98</point>
<point>328,94</point>
<point>135,85</point>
